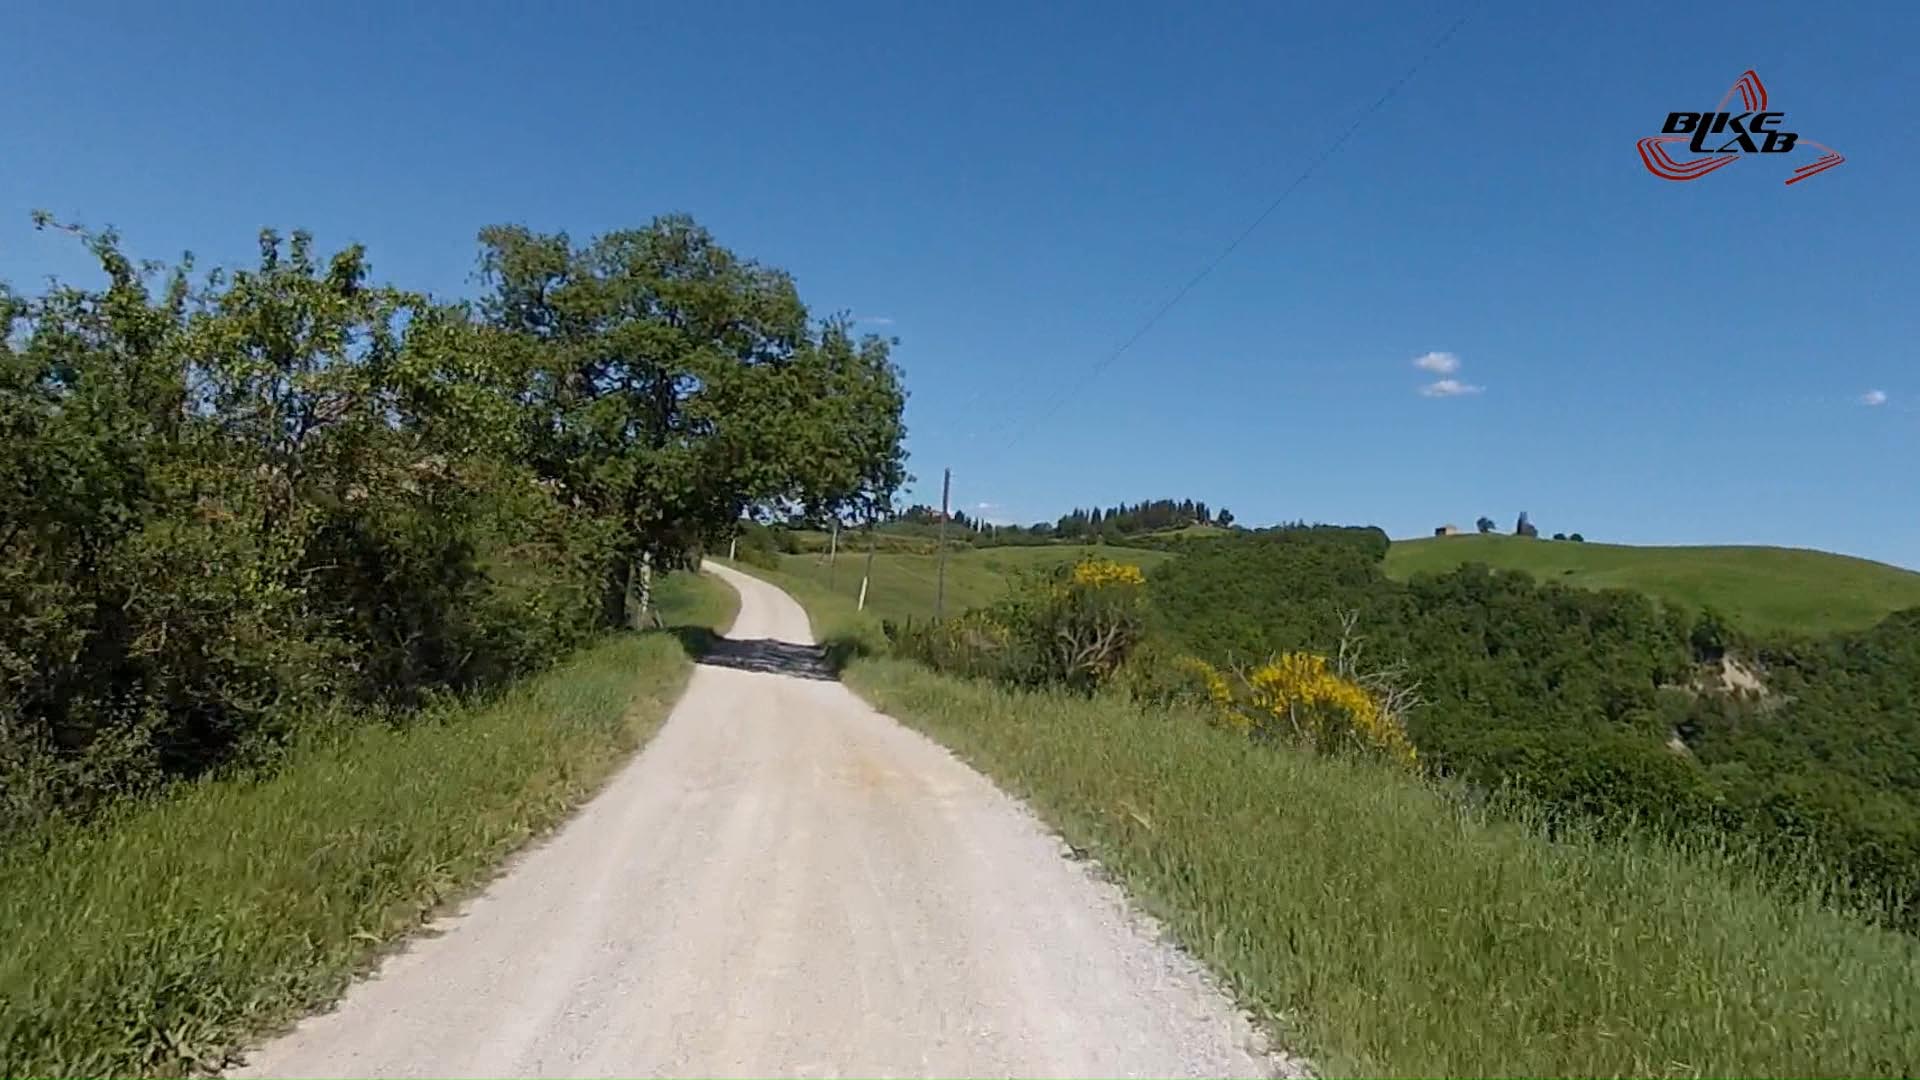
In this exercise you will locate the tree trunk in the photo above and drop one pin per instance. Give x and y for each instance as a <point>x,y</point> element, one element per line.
<point>613,592</point>
<point>640,599</point>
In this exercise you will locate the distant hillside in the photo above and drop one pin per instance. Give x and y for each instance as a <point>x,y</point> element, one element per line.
<point>904,583</point>
<point>1760,588</point>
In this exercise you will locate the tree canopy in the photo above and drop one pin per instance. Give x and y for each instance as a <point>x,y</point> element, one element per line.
<point>232,502</point>
<point>674,386</point>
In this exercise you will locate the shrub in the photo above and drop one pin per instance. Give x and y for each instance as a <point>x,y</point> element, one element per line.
<point>1710,636</point>
<point>1072,626</point>
<point>1301,699</point>
<point>971,645</point>
<point>758,546</point>
<point>1155,674</point>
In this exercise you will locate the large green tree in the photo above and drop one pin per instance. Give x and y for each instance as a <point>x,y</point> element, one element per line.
<point>671,385</point>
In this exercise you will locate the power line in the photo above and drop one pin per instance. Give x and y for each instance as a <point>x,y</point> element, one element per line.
<point>1312,167</point>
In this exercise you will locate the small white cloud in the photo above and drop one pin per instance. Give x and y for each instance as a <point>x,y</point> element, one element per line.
<point>1874,397</point>
<point>875,320</point>
<point>991,513</point>
<point>1440,363</point>
<point>1449,388</point>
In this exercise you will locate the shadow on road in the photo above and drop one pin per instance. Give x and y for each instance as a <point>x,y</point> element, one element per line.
<point>759,654</point>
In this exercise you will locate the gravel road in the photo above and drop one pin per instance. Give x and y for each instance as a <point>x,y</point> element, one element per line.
<point>785,882</point>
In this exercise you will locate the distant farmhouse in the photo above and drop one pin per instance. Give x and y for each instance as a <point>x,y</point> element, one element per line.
<point>1447,530</point>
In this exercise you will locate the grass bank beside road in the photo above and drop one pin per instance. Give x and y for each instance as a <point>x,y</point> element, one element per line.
<point>1396,932</point>
<point>158,939</point>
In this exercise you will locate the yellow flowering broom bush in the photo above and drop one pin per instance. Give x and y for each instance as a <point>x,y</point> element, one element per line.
<point>1303,699</point>
<point>1105,573</point>
<point>1088,625</point>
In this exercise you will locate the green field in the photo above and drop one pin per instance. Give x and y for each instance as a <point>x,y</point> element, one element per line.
<point>155,940</point>
<point>903,585</point>
<point>1762,589</point>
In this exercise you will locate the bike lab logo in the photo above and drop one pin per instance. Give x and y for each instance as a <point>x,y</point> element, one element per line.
<point>1726,137</point>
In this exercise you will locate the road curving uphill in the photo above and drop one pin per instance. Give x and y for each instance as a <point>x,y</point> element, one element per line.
<point>785,882</point>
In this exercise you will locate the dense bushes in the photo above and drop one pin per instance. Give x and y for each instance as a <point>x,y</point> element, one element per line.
<point>223,516</point>
<point>233,504</point>
<point>1073,625</point>
<point>1829,754</point>
<point>1082,627</point>
<point>1594,703</point>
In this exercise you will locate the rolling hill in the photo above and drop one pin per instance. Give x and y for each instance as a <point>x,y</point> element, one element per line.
<point>1762,589</point>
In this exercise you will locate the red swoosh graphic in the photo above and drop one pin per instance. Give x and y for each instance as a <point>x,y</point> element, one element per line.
<point>1753,97</point>
<point>1661,164</point>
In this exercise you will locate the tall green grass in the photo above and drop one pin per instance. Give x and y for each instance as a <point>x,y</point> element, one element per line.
<point>157,939</point>
<point>1391,929</point>
<point>695,600</point>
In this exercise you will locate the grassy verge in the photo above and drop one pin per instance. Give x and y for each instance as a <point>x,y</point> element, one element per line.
<point>1393,931</point>
<point>157,939</point>
<point>695,600</point>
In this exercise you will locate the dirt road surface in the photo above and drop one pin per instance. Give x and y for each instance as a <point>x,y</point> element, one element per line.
<point>785,882</point>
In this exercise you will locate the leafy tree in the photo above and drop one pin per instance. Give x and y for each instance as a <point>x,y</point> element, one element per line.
<point>1577,538</point>
<point>1485,524</point>
<point>672,385</point>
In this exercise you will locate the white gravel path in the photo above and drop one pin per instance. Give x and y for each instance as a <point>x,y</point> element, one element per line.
<point>785,883</point>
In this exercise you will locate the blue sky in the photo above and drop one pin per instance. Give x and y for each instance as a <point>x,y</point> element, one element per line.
<point>1012,189</point>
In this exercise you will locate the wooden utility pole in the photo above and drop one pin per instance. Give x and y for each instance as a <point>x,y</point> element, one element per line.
<point>940,586</point>
<point>833,551</point>
<point>866,575</point>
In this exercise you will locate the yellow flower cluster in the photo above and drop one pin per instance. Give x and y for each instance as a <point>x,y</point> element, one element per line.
<point>1097,573</point>
<point>1298,685</point>
<point>1219,691</point>
<point>1296,695</point>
